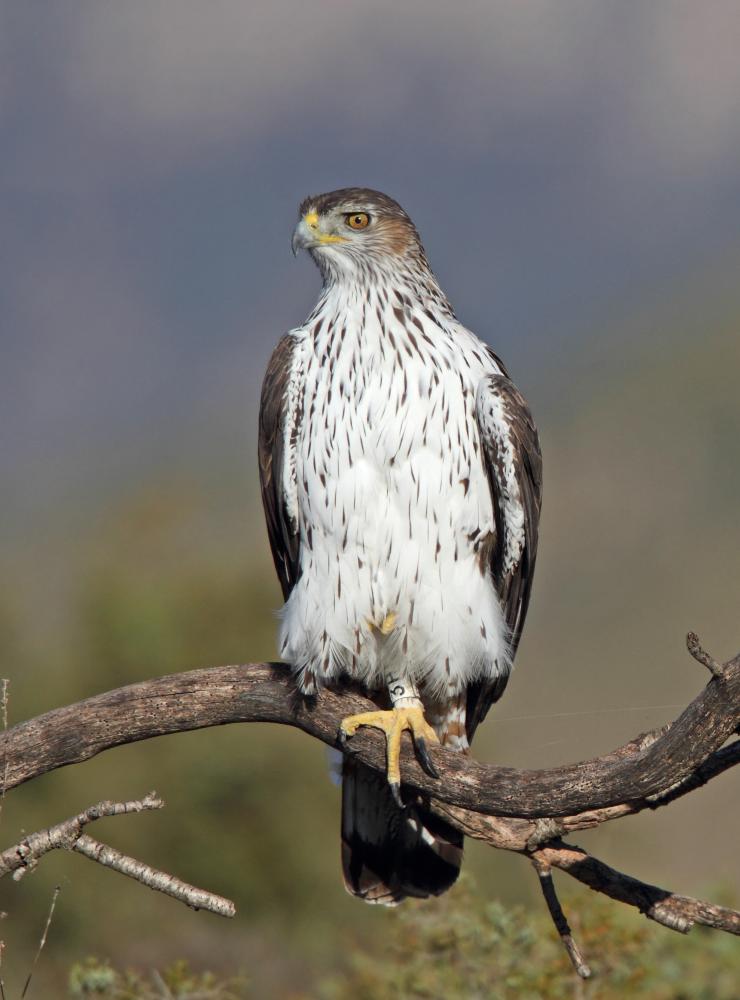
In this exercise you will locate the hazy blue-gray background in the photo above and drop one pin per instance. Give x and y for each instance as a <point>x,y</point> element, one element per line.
<point>574,170</point>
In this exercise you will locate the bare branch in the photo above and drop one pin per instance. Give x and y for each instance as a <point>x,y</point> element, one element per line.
<point>559,918</point>
<point>539,840</point>
<point>517,810</point>
<point>519,834</point>
<point>264,692</point>
<point>197,899</point>
<point>700,654</point>
<point>679,913</point>
<point>24,855</point>
<point>68,835</point>
<point>718,762</point>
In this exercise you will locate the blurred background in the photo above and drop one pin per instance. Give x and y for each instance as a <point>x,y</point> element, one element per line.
<point>574,170</point>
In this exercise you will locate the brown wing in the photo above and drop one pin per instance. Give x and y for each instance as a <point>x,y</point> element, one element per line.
<point>274,414</point>
<point>511,451</point>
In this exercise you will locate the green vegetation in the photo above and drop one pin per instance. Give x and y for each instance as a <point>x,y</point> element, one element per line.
<point>461,947</point>
<point>91,979</point>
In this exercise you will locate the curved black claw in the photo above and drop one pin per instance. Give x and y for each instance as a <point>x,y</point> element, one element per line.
<point>426,761</point>
<point>344,745</point>
<point>395,787</point>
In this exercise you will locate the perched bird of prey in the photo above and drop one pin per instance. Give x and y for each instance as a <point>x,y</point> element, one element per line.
<point>401,480</point>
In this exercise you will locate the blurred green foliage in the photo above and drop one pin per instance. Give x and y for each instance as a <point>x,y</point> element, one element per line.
<point>460,947</point>
<point>92,978</point>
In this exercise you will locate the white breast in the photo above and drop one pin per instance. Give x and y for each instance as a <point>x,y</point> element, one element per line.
<point>389,489</point>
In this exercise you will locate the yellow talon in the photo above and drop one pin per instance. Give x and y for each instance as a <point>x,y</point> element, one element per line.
<point>393,723</point>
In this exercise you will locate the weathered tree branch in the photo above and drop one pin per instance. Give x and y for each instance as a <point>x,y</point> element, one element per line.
<point>702,656</point>
<point>525,811</point>
<point>196,899</point>
<point>679,913</point>
<point>263,692</point>
<point>558,917</point>
<point>23,857</point>
<point>68,835</point>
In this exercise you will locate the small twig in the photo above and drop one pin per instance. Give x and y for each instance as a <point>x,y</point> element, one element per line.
<point>679,913</point>
<point>702,656</point>
<point>24,856</point>
<point>161,984</point>
<point>198,899</point>
<point>559,919</point>
<point>42,942</point>
<point>4,709</point>
<point>68,835</point>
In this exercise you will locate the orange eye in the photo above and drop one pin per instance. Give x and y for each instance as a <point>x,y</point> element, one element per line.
<point>358,220</point>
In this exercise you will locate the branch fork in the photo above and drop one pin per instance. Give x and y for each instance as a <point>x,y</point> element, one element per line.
<point>68,835</point>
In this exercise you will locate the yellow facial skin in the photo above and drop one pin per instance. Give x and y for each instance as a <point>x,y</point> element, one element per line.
<point>312,221</point>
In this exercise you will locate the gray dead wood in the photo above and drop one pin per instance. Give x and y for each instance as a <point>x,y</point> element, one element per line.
<point>68,835</point>
<point>526,811</point>
<point>263,692</point>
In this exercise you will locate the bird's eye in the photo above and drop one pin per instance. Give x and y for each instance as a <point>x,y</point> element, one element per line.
<point>358,220</point>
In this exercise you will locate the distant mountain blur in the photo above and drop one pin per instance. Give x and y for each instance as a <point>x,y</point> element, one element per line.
<point>563,163</point>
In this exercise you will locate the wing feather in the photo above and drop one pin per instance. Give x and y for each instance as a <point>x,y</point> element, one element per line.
<point>511,450</point>
<point>280,415</point>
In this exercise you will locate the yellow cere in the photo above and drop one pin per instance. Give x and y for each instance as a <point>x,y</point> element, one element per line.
<point>312,221</point>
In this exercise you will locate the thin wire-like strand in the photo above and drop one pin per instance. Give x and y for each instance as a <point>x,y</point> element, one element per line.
<point>42,942</point>
<point>586,711</point>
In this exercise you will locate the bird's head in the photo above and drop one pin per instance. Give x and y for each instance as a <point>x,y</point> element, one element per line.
<point>356,230</point>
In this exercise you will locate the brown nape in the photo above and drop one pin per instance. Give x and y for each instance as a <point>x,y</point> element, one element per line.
<point>397,235</point>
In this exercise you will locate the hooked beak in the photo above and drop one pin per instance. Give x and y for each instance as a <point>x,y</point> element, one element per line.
<point>302,238</point>
<point>308,234</point>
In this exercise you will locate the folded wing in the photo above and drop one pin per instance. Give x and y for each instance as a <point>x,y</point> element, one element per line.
<point>513,461</point>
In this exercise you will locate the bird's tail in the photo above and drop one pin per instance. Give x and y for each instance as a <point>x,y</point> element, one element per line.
<point>389,853</point>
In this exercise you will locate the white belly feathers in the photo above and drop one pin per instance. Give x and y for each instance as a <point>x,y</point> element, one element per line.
<point>390,494</point>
